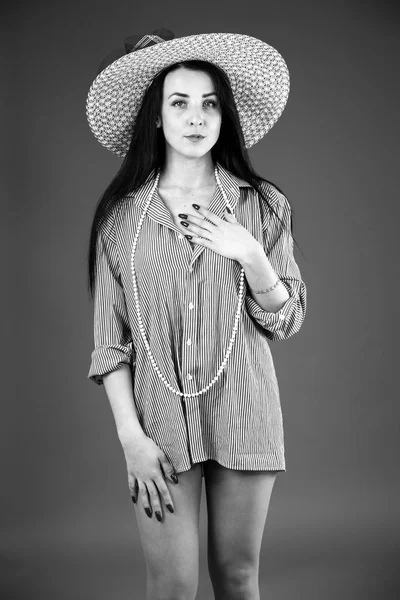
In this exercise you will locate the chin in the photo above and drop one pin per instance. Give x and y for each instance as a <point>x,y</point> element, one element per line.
<point>191,151</point>
<point>194,153</point>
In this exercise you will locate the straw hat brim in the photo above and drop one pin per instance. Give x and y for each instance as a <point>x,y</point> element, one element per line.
<point>258,75</point>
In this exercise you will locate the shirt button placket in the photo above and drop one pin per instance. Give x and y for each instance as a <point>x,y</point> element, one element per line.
<point>192,404</point>
<point>189,334</point>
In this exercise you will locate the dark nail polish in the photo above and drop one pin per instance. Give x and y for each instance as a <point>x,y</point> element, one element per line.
<point>170,508</point>
<point>229,210</point>
<point>196,206</point>
<point>148,511</point>
<point>133,499</point>
<point>182,216</point>
<point>174,478</point>
<point>185,224</point>
<point>158,515</point>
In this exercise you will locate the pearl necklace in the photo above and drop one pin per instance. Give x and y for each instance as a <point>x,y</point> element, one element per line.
<point>140,321</point>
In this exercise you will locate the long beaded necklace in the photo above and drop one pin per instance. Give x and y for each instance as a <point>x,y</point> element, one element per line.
<point>136,296</point>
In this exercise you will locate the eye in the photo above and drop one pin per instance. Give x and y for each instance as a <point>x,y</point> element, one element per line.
<point>211,103</point>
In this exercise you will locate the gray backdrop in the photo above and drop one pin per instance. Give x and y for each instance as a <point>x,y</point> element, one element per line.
<point>68,526</point>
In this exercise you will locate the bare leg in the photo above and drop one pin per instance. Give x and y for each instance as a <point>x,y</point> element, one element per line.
<point>171,546</point>
<point>237,506</point>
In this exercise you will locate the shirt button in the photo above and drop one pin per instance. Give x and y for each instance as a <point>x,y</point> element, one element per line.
<point>189,377</point>
<point>191,305</point>
<point>180,236</point>
<point>190,269</point>
<point>189,342</point>
<point>282,317</point>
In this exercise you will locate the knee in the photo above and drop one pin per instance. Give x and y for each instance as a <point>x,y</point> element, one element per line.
<point>178,587</point>
<point>236,580</point>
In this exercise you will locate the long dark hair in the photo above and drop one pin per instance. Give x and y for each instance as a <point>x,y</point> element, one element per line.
<point>147,149</point>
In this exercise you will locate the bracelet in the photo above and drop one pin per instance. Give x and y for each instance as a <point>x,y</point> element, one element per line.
<point>267,290</point>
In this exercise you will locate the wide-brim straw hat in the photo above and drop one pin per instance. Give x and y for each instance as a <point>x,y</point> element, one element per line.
<point>258,75</point>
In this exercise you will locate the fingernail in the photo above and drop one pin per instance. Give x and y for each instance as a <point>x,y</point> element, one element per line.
<point>148,511</point>
<point>174,478</point>
<point>182,216</point>
<point>189,237</point>
<point>229,210</point>
<point>185,224</point>
<point>133,499</point>
<point>158,515</point>
<point>196,206</point>
<point>170,508</point>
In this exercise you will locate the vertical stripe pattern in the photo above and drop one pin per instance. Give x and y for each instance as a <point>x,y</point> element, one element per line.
<point>188,299</point>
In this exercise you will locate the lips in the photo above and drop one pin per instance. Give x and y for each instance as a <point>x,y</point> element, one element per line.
<point>195,137</point>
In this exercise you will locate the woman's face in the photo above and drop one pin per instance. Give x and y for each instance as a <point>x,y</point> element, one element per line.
<point>189,106</point>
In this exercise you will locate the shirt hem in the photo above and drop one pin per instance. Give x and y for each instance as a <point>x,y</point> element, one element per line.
<point>243,465</point>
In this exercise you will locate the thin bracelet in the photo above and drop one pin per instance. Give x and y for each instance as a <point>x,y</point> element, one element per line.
<point>267,290</point>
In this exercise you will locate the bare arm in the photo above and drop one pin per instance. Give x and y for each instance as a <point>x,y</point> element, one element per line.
<point>119,389</point>
<point>281,311</point>
<point>260,274</point>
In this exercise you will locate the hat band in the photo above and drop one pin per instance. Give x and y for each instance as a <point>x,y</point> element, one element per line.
<point>146,41</point>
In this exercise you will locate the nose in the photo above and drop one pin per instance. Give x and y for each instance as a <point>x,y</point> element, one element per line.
<point>195,118</point>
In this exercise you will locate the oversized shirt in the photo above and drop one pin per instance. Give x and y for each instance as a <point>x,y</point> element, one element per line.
<point>188,299</point>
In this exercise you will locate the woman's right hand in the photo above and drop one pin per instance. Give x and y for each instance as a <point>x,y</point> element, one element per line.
<point>147,466</point>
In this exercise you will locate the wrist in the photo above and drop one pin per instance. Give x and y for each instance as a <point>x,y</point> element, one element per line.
<point>129,433</point>
<point>251,255</point>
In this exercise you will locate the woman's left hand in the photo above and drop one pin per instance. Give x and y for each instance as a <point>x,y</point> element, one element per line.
<point>228,238</point>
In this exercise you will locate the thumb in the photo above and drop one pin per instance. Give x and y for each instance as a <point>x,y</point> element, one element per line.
<point>166,466</point>
<point>229,215</point>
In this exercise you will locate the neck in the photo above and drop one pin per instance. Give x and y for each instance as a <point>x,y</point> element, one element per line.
<point>188,173</point>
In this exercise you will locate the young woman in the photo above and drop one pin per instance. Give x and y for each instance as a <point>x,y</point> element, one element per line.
<point>192,272</point>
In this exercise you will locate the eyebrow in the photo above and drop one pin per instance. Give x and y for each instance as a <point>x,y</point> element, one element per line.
<point>187,95</point>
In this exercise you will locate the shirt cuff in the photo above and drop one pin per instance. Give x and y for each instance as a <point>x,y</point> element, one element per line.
<point>273,321</point>
<point>106,359</point>
<point>287,320</point>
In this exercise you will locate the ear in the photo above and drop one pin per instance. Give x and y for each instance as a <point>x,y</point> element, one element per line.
<point>158,122</point>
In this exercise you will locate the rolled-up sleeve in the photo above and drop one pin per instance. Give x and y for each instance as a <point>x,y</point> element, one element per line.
<point>278,246</point>
<point>112,335</point>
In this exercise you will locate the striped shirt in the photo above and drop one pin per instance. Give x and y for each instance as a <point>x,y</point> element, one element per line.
<point>188,299</point>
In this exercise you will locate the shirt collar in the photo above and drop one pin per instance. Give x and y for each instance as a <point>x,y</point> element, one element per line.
<point>229,182</point>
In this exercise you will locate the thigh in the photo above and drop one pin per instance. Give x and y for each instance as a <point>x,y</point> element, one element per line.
<point>171,546</point>
<point>237,507</point>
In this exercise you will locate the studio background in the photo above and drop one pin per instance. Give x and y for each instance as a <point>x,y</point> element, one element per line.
<point>68,527</point>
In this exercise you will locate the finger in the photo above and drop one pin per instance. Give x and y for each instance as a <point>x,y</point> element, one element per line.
<point>202,241</point>
<point>167,469</point>
<point>132,483</point>
<point>154,498</point>
<point>198,220</point>
<point>144,497</point>
<point>229,215</point>
<point>215,219</point>
<point>164,493</point>
<point>193,228</point>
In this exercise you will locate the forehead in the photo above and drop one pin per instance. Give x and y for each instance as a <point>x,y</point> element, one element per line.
<point>182,79</point>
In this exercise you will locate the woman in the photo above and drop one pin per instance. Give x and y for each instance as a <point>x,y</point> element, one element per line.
<point>192,271</point>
